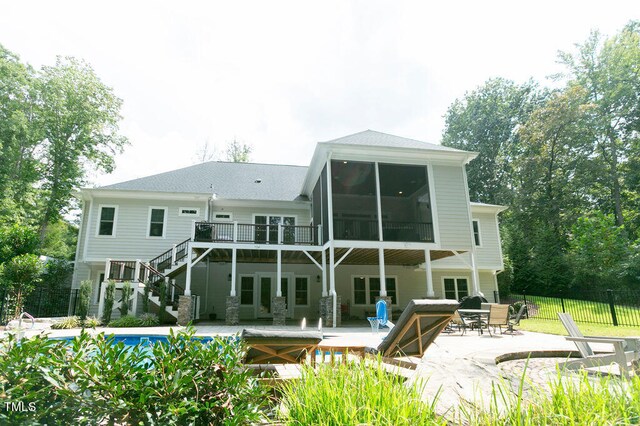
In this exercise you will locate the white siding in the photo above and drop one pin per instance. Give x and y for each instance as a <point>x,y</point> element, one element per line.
<point>451,203</point>
<point>131,227</point>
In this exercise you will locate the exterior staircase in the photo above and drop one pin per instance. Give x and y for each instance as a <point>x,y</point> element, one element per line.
<point>161,268</point>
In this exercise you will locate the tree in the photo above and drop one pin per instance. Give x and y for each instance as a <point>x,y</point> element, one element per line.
<point>19,137</point>
<point>15,240</point>
<point>486,121</point>
<point>20,276</point>
<point>207,152</point>
<point>78,116</point>
<point>609,72</point>
<point>238,152</point>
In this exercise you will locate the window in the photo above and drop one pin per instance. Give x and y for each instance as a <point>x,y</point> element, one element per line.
<point>246,290</point>
<point>189,211</point>
<point>476,233</point>
<point>302,291</point>
<point>455,288</point>
<point>222,216</point>
<point>107,225</point>
<point>269,231</point>
<point>366,289</point>
<point>157,218</point>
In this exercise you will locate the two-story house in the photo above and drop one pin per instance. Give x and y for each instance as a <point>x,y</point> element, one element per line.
<point>373,215</point>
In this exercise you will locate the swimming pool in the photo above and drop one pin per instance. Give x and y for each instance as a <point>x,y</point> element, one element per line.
<point>136,339</point>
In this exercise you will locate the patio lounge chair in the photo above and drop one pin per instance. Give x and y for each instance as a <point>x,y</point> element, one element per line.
<point>626,350</point>
<point>418,326</point>
<point>280,346</point>
<point>459,322</point>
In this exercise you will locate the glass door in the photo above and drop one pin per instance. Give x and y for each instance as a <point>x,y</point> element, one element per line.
<point>264,297</point>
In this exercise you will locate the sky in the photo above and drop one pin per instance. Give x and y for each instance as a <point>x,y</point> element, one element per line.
<point>283,75</point>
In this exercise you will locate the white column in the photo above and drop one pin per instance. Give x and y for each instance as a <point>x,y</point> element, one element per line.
<point>475,277</point>
<point>107,269</point>
<point>279,274</point>
<point>174,254</point>
<point>427,267</point>
<point>332,282</point>
<point>383,276</point>
<point>136,273</point>
<point>103,286</point>
<point>233,272</point>
<point>329,200</point>
<point>187,284</point>
<point>378,203</point>
<point>324,273</point>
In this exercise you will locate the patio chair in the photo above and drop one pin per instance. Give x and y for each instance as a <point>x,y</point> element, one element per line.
<point>280,346</point>
<point>459,322</point>
<point>498,317</point>
<point>626,350</point>
<point>381,318</point>
<point>515,320</point>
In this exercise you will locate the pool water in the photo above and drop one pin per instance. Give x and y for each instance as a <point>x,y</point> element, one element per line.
<point>136,339</point>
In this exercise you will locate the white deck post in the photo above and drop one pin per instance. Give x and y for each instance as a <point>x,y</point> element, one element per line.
<point>324,274</point>
<point>235,231</point>
<point>233,272</point>
<point>174,254</point>
<point>187,284</point>
<point>383,275</point>
<point>134,302</point>
<point>279,273</point>
<point>427,267</point>
<point>475,277</point>
<point>136,276</point>
<point>103,286</point>
<point>173,289</point>
<point>332,282</point>
<point>107,269</point>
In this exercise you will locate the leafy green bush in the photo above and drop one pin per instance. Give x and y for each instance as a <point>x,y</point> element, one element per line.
<point>92,322</point>
<point>109,298</point>
<point>84,299</point>
<point>126,321</point>
<point>372,396</point>
<point>66,323</point>
<point>149,320</point>
<point>94,381</point>
<point>145,299</point>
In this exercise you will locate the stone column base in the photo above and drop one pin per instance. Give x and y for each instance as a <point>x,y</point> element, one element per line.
<point>279,309</point>
<point>232,313</point>
<point>185,310</point>
<point>389,310</point>
<point>326,311</point>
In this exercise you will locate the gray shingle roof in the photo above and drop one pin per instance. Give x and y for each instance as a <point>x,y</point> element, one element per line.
<point>231,181</point>
<point>379,139</point>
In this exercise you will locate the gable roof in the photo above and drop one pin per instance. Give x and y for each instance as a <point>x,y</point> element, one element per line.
<point>379,139</point>
<point>231,181</point>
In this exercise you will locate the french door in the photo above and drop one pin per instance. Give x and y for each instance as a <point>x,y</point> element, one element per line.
<point>267,228</point>
<point>266,290</point>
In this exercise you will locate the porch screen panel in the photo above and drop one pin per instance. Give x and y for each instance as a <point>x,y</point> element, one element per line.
<point>405,203</point>
<point>355,209</point>
<point>325,205</point>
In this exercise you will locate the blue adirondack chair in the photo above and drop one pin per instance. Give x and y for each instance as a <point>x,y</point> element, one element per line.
<point>381,319</point>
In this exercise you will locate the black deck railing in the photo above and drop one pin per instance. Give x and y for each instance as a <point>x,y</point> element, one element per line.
<point>367,230</point>
<point>165,260</point>
<point>255,233</point>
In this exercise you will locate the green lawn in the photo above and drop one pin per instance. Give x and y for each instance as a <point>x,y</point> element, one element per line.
<point>556,327</point>
<point>582,311</point>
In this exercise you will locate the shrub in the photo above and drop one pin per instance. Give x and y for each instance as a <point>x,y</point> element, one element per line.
<point>84,299</point>
<point>126,295</point>
<point>373,397</point>
<point>149,320</point>
<point>145,299</point>
<point>109,298</point>
<point>94,381</point>
<point>66,323</point>
<point>126,321</point>
<point>92,322</point>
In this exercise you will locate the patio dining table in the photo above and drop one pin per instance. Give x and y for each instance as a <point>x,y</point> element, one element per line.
<point>477,316</point>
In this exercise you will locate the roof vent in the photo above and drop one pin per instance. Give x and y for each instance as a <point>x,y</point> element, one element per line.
<point>258,181</point>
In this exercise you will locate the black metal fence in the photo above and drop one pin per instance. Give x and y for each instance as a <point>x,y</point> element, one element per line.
<point>42,302</point>
<point>607,307</point>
